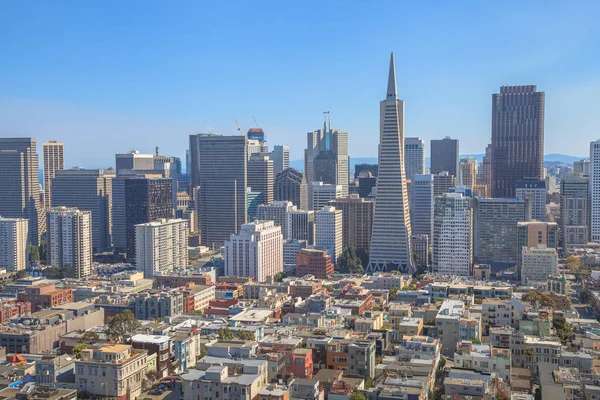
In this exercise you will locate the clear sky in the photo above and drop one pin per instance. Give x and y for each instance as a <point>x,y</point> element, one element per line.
<point>107,76</point>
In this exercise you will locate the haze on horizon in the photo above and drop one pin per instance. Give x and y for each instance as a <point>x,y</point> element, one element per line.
<point>107,77</point>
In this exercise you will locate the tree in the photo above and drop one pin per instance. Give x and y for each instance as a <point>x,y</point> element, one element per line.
<point>21,274</point>
<point>393,293</point>
<point>279,277</point>
<point>356,395</point>
<point>349,262</point>
<point>76,352</point>
<point>225,334</point>
<point>90,336</point>
<point>329,288</point>
<point>563,328</point>
<point>202,353</point>
<point>535,296</point>
<point>245,335</point>
<point>121,324</point>
<point>573,263</point>
<point>43,251</point>
<point>34,253</point>
<point>378,360</point>
<point>54,273</point>
<point>369,383</point>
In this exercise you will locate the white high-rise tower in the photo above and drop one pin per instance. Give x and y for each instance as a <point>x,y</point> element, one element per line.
<point>594,190</point>
<point>390,242</point>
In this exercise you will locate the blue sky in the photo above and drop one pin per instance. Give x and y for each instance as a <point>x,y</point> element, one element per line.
<point>108,76</point>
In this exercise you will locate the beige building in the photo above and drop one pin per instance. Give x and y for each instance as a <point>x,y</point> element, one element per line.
<point>357,216</point>
<point>13,243</point>
<point>468,173</point>
<point>538,263</point>
<point>53,154</point>
<point>161,246</point>
<point>111,371</point>
<point>70,240</point>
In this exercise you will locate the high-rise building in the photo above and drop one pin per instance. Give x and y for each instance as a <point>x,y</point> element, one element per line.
<point>533,233</point>
<point>13,243</point>
<point>574,210</point>
<point>290,249</point>
<point>468,169</point>
<point>390,242</point>
<point>414,156</point>
<point>582,167</point>
<point>421,205</point>
<point>535,190</point>
<point>371,168</point>
<point>366,183</point>
<point>219,169</point>
<point>54,159</point>
<point>133,160</point>
<point>323,193</point>
<point>442,182</point>
<point>594,190</point>
<point>420,249</point>
<point>161,246</point>
<point>315,262</point>
<point>301,225</point>
<point>260,177</point>
<point>87,190</point>
<point>326,158</point>
<point>329,231</point>
<point>496,222</point>
<point>453,235</point>
<point>485,169</point>
<point>277,212</point>
<point>70,241</point>
<point>538,263</point>
<point>444,156</point>
<point>257,251</point>
<point>281,159</point>
<point>146,200</point>
<point>291,186</point>
<point>20,173</point>
<point>517,137</point>
<point>357,217</point>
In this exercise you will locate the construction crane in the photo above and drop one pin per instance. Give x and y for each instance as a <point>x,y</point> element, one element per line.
<point>238,127</point>
<point>255,123</point>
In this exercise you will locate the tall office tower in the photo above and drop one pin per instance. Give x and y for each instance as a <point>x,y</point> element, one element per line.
<point>414,156</point>
<point>420,249</point>
<point>485,169</point>
<point>301,225</point>
<point>468,169</point>
<point>219,168</point>
<point>444,156</point>
<point>538,263</point>
<point>390,242</point>
<point>188,161</point>
<point>277,212</point>
<point>533,233</point>
<point>329,231</point>
<point>13,243</point>
<point>281,159</point>
<point>366,183</point>
<point>169,167</point>
<point>70,241</point>
<point>54,159</point>
<point>257,251</point>
<point>20,173</point>
<point>372,168</point>
<point>517,137</point>
<point>594,189</point>
<point>421,205</point>
<point>291,186</point>
<point>357,218</point>
<point>496,222</point>
<point>87,190</point>
<point>442,182</point>
<point>161,246</point>
<point>146,200</point>
<point>582,167</point>
<point>323,193</point>
<point>453,235</point>
<point>535,190</point>
<point>326,157</point>
<point>260,177</point>
<point>574,210</point>
<point>133,160</point>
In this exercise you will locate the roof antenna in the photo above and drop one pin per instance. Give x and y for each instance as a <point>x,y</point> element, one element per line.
<point>156,149</point>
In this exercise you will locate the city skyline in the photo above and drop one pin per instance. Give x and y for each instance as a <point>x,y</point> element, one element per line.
<point>114,105</point>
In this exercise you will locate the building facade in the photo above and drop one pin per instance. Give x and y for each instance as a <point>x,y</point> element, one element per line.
<point>535,190</point>
<point>323,193</point>
<point>281,159</point>
<point>301,225</point>
<point>260,177</point>
<point>291,186</point>
<point>445,156</point>
<point>70,241</point>
<point>13,243</point>
<point>161,246</point>
<point>329,231</point>
<point>357,217</point>
<point>421,205</point>
<point>442,182</point>
<point>277,212</point>
<point>414,156</point>
<point>538,263</point>
<point>53,154</point>
<point>594,191</point>
<point>314,262</point>
<point>574,210</point>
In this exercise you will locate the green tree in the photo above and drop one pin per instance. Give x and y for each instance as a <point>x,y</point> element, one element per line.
<point>563,329</point>
<point>535,296</point>
<point>573,263</point>
<point>54,273</point>
<point>202,353</point>
<point>356,395</point>
<point>121,324</point>
<point>349,262</point>
<point>329,288</point>
<point>90,336</point>
<point>34,253</point>
<point>21,274</point>
<point>76,352</point>
<point>43,250</point>
<point>225,334</point>
<point>245,335</point>
<point>279,277</point>
<point>392,294</point>
<point>369,383</point>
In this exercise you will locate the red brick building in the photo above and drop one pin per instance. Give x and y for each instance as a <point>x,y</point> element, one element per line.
<point>12,308</point>
<point>314,262</point>
<point>45,296</point>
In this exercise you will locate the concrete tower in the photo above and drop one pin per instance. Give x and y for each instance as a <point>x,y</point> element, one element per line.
<point>54,159</point>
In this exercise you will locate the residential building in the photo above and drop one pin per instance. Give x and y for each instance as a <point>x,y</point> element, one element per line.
<point>69,244</point>
<point>158,346</point>
<point>277,212</point>
<point>225,379</point>
<point>53,154</point>
<point>361,358</point>
<point>574,210</point>
<point>219,169</point>
<point>53,369</point>
<point>257,251</point>
<point>301,225</point>
<point>390,241</point>
<point>445,156</point>
<point>158,304</point>
<point>13,243</point>
<point>290,185</point>
<point>468,173</point>
<point>329,231</point>
<point>281,160</point>
<point>594,191</point>
<point>357,221</point>
<point>260,177</point>
<point>447,322</point>
<point>421,205</point>
<point>314,262</point>
<point>538,263</point>
<point>453,235</point>
<point>533,233</point>
<point>414,156</point>
<point>20,172</point>
<point>517,137</point>
<point>535,190</point>
<point>111,371</point>
<point>442,182</point>
<point>87,190</point>
<point>323,193</point>
<point>161,246</point>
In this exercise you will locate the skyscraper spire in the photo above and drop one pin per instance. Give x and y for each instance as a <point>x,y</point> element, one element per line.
<point>392,92</point>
